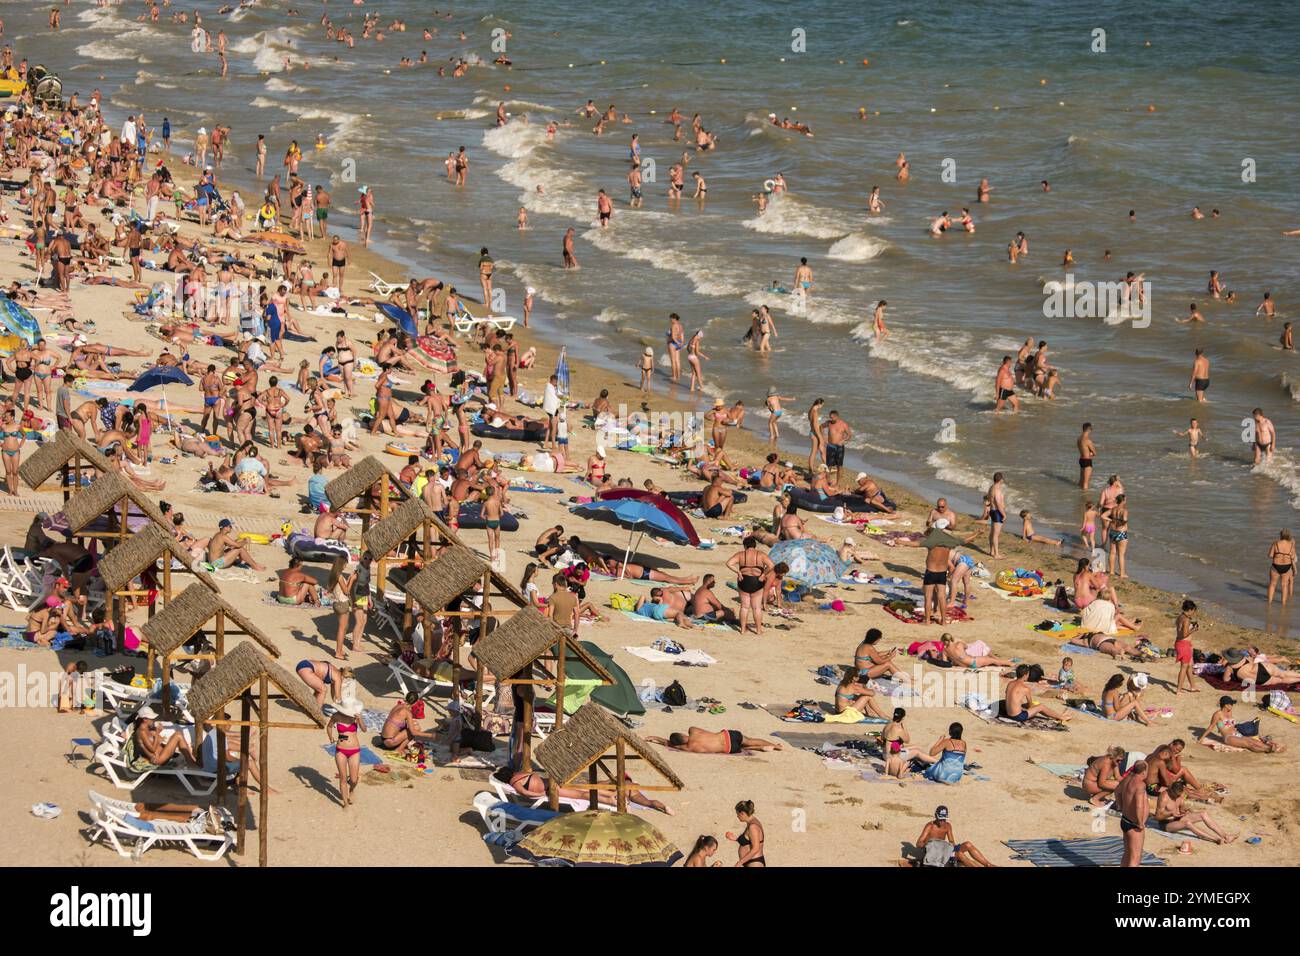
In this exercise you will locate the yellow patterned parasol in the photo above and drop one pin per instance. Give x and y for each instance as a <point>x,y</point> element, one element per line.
<point>598,838</point>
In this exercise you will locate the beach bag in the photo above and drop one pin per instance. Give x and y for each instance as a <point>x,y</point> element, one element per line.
<point>1062,600</point>
<point>938,853</point>
<point>622,602</point>
<point>666,645</point>
<point>674,695</point>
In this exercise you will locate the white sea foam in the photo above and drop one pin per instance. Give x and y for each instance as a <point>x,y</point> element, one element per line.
<point>1285,471</point>
<point>788,215</point>
<point>939,360</point>
<point>856,247</point>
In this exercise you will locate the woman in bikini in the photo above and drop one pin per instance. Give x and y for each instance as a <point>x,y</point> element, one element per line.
<point>694,357</point>
<point>12,439</point>
<point>402,727</point>
<point>1282,559</point>
<point>1258,672</point>
<point>854,693</point>
<point>345,354</point>
<point>532,784</point>
<point>344,731</point>
<point>1118,535</point>
<point>750,566</point>
<point>955,651</point>
<point>1102,776</point>
<point>895,738</point>
<point>22,367</point>
<point>1120,704</point>
<point>870,662</point>
<point>1222,723</point>
<point>322,677</point>
<point>750,840</point>
<point>43,367</point>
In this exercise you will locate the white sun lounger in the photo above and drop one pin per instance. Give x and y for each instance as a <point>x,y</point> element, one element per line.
<point>464,322</point>
<point>117,822</point>
<point>508,794</point>
<point>196,781</point>
<point>381,287</point>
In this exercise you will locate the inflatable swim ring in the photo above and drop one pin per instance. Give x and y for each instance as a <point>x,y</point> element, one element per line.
<point>253,537</point>
<point>402,448</point>
<point>1024,584</point>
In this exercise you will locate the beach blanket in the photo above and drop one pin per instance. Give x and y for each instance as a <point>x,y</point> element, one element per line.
<point>1038,722</point>
<point>693,656</point>
<point>1218,682</point>
<point>1067,771</point>
<point>1084,851</point>
<point>906,612</point>
<point>523,484</point>
<point>876,774</point>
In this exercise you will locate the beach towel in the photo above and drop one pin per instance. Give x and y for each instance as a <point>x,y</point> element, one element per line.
<point>851,716</point>
<point>1067,771</point>
<point>1084,851</point>
<point>906,612</point>
<point>693,656</point>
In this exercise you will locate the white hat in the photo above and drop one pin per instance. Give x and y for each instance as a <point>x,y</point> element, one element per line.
<point>1140,680</point>
<point>600,450</point>
<point>838,514</point>
<point>491,404</point>
<point>147,713</point>
<point>848,540</point>
<point>941,524</point>
<point>861,475</point>
<point>531,290</point>
<point>349,707</point>
<point>649,350</point>
<point>203,131</point>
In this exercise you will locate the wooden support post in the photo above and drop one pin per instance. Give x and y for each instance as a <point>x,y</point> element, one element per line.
<point>264,793</point>
<point>620,749</point>
<point>593,795</point>
<point>560,647</point>
<point>241,792</point>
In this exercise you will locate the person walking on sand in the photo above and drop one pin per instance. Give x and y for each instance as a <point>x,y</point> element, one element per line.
<point>344,731</point>
<point>997,513</point>
<point>1087,452</point>
<point>1131,801</point>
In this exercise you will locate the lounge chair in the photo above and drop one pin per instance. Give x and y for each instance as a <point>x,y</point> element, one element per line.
<point>197,781</point>
<point>383,288</point>
<point>465,323</point>
<point>508,794</point>
<point>507,822</point>
<point>408,680</point>
<point>117,821</point>
<point>20,592</point>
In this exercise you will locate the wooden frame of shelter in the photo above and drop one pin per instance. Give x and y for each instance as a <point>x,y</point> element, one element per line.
<point>140,552</point>
<point>68,454</point>
<point>234,678</point>
<point>515,653</point>
<point>108,496</point>
<point>585,744</point>
<point>357,481</point>
<point>186,616</point>
<point>452,574</point>
<point>412,519</point>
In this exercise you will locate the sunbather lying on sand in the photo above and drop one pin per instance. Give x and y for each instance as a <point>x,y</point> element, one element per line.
<point>697,740</point>
<point>532,784</point>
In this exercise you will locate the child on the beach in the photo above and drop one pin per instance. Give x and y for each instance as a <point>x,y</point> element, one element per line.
<point>1184,627</point>
<point>1193,434</point>
<point>1088,528</point>
<point>647,368</point>
<point>1029,536</point>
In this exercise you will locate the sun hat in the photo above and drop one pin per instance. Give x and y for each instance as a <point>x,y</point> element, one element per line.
<point>600,450</point>
<point>848,540</point>
<point>531,291</point>
<point>147,713</point>
<point>1140,680</point>
<point>349,707</point>
<point>861,475</point>
<point>649,350</point>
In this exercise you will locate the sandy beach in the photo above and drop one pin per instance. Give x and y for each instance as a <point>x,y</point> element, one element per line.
<point>816,812</point>
<point>816,809</point>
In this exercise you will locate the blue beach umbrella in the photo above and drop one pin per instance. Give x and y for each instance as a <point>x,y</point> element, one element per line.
<point>811,562</point>
<point>562,371</point>
<point>404,320</point>
<point>19,321</point>
<point>159,375</point>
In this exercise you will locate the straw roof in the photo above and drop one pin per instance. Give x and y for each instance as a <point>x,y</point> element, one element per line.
<point>586,737</point>
<point>53,455</point>
<point>188,612</point>
<point>140,551</point>
<point>525,637</point>
<point>100,497</point>
<point>240,670</point>
<point>456,570</point>
<point>356,481</point>
<point>405,520</point>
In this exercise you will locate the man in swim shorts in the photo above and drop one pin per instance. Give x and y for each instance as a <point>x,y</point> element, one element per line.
<point>838,433</point>
<point>1004,386</point>
<point>697,740</point>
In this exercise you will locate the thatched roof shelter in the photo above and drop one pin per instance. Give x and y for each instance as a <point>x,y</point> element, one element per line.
<point>103,494</point>
<point>66,448</point>
<point>356,481</point>
<point>247,675</point>
<point>238,671</point>
<point>583,746</point>
<point>189,612</point>
<point>455,571</point>
<point>408,518</point>
<point>527,638</point>
<point>141,551</point>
